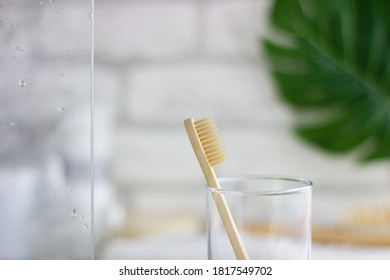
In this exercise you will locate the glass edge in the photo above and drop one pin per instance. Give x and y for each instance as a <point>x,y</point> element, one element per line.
<point>306,185</point>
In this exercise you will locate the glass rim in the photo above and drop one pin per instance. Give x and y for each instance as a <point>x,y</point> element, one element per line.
<point>305,185</point>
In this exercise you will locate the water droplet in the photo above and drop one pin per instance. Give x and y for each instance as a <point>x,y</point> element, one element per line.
<point>69,188</point>
<point>61,109</point>
<point>19,49</point>
<point>81,218</point>
<point>12,123</point>
<point>85,226</point>
<point>73,214</point>
<point>22,83</point>
<point>41,3</point>
<point>40,248</point>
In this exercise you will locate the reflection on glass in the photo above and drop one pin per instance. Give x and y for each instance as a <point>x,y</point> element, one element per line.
<point>45,150</point>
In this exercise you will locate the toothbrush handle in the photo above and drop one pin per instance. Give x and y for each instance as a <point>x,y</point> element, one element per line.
<point>230,226</point>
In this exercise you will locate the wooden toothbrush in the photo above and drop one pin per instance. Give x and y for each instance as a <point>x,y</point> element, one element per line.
<point>209,152</point>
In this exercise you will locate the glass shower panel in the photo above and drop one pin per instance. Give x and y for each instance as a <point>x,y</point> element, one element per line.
<point>45,129</point>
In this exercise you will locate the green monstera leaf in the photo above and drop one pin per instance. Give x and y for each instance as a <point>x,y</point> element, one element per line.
<point>330,59</point>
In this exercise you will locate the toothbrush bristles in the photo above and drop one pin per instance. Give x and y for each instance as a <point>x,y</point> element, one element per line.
<point>210,139</point>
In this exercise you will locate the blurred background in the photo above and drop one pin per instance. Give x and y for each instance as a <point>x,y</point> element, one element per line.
<point>157,62</point>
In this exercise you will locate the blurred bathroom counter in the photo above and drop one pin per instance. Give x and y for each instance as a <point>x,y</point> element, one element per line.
<point>182,236</point>
<point>193,246</point>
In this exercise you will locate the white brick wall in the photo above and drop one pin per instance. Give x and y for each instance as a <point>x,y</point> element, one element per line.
<point>233,28</point>
<point>133,30</point>
<point>226,78</point>
<point>175,59</point>
<point>230,92</point>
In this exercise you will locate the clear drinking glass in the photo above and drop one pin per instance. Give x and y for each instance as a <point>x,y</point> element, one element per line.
<point>272,215</point>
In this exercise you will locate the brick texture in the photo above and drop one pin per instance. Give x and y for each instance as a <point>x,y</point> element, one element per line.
<point>233,93</point>
<point>144,30</point>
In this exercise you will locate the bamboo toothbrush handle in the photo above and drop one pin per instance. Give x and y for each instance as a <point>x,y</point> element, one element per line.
<point>226,217</point>
<point>219,199</point>
<point>230,226</point>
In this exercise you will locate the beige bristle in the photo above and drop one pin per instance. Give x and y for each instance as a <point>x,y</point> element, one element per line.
<point>210,139</point>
